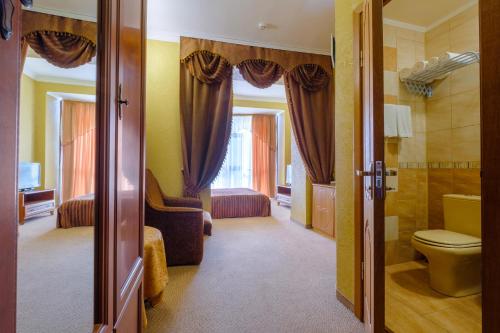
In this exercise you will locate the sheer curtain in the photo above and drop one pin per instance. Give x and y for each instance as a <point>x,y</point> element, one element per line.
<point>78,134</point>
<point>236,172</point>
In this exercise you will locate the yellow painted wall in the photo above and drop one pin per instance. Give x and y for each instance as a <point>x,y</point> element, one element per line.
<point>163,132</point>
<point>33,100</point>
<point>301,211</point>
<point>344,135</point>
<point>27,120</point>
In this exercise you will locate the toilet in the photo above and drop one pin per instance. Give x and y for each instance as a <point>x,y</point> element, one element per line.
<point>454,254</point>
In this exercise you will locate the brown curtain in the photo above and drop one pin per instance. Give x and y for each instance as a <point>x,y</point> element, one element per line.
<point>264,154</point>
<point>310,102</point>
<point>24,53</point>
<point>78,144</point>
<point>260,73</point>
<point>206,113</point>
<point>62,49</point>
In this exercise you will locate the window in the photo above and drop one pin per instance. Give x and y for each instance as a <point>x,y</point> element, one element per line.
<point>236,172</point>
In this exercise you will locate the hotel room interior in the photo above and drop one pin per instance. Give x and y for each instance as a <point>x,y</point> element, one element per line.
<point>240,187</point>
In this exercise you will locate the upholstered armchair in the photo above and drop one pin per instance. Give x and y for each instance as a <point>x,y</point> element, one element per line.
<point>181,222</point>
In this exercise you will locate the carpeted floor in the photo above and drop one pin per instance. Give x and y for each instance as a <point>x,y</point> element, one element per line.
<point>266,275</point>
<point>55,291</point>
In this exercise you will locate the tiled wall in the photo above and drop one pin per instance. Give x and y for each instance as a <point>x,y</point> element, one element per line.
<point>402,48</point>
<point>444,154</point>
<point>453,125</point>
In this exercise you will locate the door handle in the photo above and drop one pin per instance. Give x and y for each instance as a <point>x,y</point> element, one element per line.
<point>362,173</point>
<point>121,102</point>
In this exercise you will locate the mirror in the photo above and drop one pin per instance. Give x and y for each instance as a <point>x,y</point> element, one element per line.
<point>57,154</point>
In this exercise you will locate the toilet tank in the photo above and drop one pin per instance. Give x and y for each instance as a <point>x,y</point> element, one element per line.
<point>462,214</point>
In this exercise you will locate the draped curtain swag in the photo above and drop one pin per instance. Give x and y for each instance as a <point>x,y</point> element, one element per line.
<point>78,144</point>
<point>264,154</point>
<point>62,41</point>
<point>260,73</point>
<point>206,113</point>
<point>310,102</point>
<point>206,110</point>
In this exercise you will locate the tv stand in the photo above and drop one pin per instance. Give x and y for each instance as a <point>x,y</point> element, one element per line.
<point>36,202</point>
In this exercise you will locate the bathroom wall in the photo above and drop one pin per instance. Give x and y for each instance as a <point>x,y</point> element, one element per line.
<point>453,127</point>
<point>444,154</point>
<point>402,48</point>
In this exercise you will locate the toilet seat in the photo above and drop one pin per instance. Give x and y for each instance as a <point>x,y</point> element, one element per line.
<point>446,238</point>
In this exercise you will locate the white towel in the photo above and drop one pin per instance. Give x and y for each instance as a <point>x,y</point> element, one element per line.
<point>405,128</point>
<point>433,62</point>
<point>419,67</point>
<point>447,56</point>
<point>404,73</point>
<point>390,121</point>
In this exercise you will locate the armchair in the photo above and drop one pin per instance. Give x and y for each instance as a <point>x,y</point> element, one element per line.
<point>180,220</point>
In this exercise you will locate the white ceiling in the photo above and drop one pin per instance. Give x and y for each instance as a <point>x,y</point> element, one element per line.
<point>425,14</point>
<point>301,25</point>
<point>72,97</point>
<point>39,69</point>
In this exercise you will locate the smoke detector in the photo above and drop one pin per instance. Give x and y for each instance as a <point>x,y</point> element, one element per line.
<point>263,26</point>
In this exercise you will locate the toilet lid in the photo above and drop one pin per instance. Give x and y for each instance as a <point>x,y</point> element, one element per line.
<point>446,238</point>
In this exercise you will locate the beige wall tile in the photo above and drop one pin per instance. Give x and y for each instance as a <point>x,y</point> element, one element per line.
<point>419,51</point>
<point>390,99</point>
<point>405,53</point>
<point>437,46</point>
<point>467,181</point>
<point>407,150</point>
<point>406,34</point>
<point>391,83</point>
<point>441,88</point>
<point>389,35</point>
<point>465,108</point>
<point>390,59</point>
<point>420,147</point>
<point>464,79</point>
<point>466,144</point>
<point>439,114</point>
<point>438,31</point>
<point>420,117</point>
<point>465,37</point>
<point>438,145</point>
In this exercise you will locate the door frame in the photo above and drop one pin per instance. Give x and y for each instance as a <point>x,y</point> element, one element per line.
<point>489,16</point>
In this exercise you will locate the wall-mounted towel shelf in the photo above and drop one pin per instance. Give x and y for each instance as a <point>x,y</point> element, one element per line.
<point>419,83</point>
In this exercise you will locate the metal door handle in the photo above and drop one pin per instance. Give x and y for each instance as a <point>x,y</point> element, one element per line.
<point>121,102</point>
<point>362,173</point>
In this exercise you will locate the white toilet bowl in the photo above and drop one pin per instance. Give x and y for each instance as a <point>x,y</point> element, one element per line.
<point>454,254</point>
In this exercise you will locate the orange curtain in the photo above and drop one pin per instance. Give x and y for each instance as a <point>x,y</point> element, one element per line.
<point>264,154</point>
<point>78,145</point>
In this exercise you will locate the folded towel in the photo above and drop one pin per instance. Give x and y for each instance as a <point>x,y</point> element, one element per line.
<point>405,128</point>
<point>404,73</point>
<point>419,66</point>
<point>390,121</point>
<point>433,62</point>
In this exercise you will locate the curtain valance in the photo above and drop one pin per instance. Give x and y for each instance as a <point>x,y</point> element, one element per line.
<point>61,49</point>
<point>260,73</point>
<point>34,21</point>
<point>236,54</point>
<point>207,67</point>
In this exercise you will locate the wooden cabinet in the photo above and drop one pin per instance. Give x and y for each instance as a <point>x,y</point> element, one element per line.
<point>34,203</point>
<point>323,210</point>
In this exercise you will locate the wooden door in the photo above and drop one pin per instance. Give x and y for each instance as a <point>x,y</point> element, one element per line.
<point>9,115</point>
<point>489,23</point>
<point>120,169</point>
<point>129,167</point>
<point>374,167</point>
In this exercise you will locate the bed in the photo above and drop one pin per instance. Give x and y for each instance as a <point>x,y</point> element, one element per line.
<point>77,212</point>
<point>239,202</point>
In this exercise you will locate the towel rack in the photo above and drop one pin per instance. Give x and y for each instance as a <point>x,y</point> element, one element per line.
<point>420,83</point>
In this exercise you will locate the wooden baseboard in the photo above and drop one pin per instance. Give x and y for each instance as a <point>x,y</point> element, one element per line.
<point>347,303</point>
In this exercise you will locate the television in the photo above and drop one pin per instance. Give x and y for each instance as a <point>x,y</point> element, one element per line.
<point>29,176</point>
<point>288,176</point>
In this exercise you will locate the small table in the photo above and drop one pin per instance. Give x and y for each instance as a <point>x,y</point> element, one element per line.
<point>155,268</point>
<point>284,195</point>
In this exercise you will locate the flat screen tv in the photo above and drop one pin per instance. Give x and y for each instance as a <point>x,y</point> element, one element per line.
<point>29,176</point>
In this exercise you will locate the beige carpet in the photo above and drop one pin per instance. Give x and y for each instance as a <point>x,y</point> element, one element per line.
<point>55,278</point>
<point>261,275</point>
